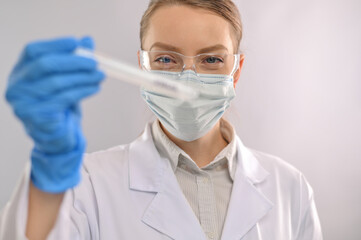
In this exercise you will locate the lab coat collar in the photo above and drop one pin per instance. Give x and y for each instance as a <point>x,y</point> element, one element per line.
<point>247,205</point>
<point>169,211</point>
<point>248,164</point>
<point>146,167</point>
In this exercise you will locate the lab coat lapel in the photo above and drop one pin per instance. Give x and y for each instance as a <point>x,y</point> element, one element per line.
<point>247,204</point>
<point>169,211</point>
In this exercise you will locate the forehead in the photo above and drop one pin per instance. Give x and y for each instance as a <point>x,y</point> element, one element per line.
<point>188,29</point>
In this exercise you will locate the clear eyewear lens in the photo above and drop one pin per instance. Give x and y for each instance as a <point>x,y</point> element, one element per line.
<point>209,63</point>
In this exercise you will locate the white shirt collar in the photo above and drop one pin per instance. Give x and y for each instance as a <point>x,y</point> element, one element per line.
<point>171,151</point>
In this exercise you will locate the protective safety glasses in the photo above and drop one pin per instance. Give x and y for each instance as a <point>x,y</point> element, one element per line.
<point>208,63</point>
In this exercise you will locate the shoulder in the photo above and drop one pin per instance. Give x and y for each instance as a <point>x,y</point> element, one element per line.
<point>106,162</point>
<point>275,165</point>
<point>103,172</point>
<point>291,194</point>
<point>283,176</point>
<point>107,154</point>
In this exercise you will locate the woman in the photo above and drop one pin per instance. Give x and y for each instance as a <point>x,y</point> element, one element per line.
<point>188,176</point>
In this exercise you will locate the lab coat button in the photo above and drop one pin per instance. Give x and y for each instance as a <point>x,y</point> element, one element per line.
<point>210,235</point>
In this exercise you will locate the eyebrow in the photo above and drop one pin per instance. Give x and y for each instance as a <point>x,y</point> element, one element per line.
<point>164,46</point>
<point>213,48</point>
<point>175,49</point>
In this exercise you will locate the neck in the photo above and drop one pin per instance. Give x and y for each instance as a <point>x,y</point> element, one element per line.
<point>202,150</point>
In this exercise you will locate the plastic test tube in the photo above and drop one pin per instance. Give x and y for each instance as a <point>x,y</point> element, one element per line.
<point>127,73</point>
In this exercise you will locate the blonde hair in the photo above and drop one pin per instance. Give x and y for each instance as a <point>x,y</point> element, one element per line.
<point>224,8</point>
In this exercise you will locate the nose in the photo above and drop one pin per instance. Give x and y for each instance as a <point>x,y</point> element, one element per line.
<point>188,64</point>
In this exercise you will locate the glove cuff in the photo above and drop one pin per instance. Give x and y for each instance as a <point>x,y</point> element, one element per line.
<point>55,173</point>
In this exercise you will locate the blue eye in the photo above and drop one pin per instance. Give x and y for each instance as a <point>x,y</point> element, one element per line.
<point>163,59</point>
<point>213,60</point>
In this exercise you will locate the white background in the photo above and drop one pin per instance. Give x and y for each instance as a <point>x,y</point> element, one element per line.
<point>299,96</point>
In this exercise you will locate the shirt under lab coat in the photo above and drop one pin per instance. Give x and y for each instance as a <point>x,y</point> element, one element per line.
<point>130,192</point>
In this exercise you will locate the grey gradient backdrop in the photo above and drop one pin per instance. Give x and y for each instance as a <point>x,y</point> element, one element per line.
<point>299,96</point>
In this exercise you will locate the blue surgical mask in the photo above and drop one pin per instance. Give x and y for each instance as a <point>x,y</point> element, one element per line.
<point>190,120</point>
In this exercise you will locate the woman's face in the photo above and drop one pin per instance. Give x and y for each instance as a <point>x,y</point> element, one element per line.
<point>189,31</point>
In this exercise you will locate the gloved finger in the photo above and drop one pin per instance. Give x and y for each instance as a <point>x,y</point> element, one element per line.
<point>59,45</point>
<point>57,83</point>
<point>50,121</point>
<point>37,49</point>
<point>44,135</point>
<point>24,79</point>
<point>30,108</point>
<point>52,64</point>
<point>53,84</point>
<point>47,122</point>
<point>55,145</point>
<point>74,95</point>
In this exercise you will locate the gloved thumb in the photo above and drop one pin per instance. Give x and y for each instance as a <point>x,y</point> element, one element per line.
<point>87,42</point>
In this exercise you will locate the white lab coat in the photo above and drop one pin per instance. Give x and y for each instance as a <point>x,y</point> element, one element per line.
<point>130,192</point>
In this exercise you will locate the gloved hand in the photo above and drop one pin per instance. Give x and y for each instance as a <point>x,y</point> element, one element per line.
<point>45,89</point>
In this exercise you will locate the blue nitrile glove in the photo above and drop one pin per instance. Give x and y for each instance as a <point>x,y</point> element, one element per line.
<point>45,89</point>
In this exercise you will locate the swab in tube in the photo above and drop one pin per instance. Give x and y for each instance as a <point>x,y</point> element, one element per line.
<point>127,73</point>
